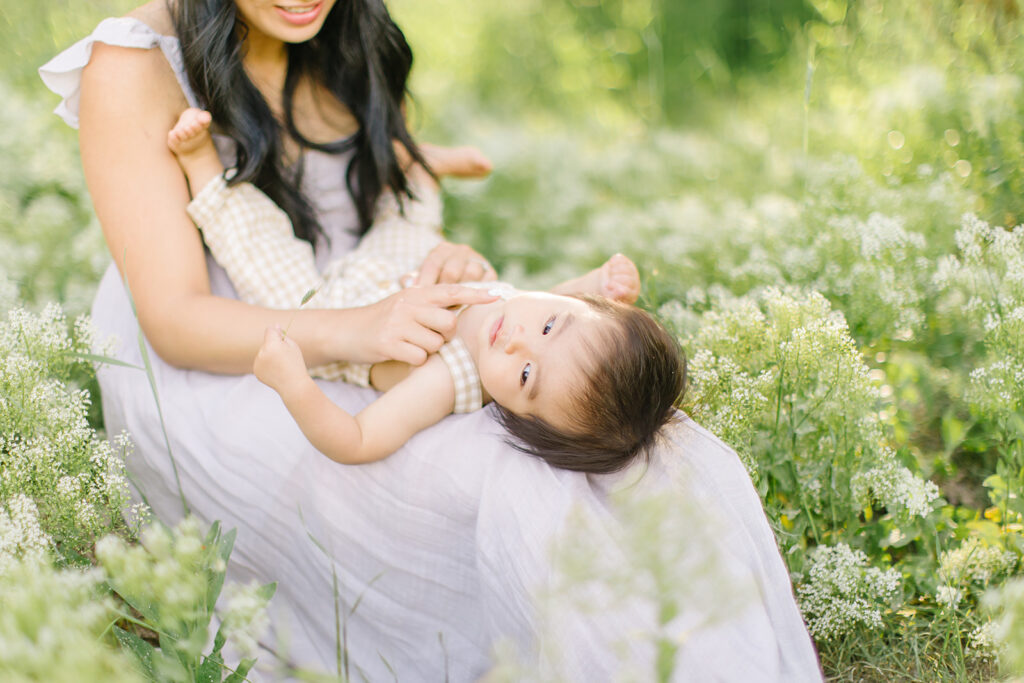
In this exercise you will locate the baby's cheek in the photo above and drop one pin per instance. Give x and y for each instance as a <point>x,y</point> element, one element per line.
<point>490,380</point>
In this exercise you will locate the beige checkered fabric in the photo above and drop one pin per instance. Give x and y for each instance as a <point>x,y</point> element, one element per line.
<point>468,395</point>
<point>253,241</point>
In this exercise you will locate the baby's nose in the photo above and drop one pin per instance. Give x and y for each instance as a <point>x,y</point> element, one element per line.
<point>515,339</point>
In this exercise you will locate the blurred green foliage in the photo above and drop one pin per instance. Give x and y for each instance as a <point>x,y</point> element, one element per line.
<point>813,190</point>
<point>32,32</point>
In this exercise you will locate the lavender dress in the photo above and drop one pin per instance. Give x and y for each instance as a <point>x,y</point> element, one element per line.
<point>448,542</point>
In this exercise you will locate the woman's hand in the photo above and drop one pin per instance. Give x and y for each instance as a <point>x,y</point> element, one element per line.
<point>413,323</point>
<point>448,262</point>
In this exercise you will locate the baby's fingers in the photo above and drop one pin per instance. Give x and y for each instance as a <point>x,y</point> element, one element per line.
<point>273,334</point>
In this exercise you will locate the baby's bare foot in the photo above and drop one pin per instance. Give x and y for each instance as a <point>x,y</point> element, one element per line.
<point>192,144</point>
<point>616,279</point>
<point>459,162</point>
<point>619,279</point>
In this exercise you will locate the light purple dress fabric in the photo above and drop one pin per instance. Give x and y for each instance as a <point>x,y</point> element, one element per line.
<point>445,543</point>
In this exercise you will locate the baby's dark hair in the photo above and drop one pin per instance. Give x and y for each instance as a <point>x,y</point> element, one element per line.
<point>637,374</point>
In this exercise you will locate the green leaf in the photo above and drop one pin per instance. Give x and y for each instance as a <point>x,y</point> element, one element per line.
<point>142,651</point>
<point>224,546</point>
<point>210,669</point>
<point>267,591</point>
<point>219,640</point>
<point>241,671</point>
<point>149,611</point>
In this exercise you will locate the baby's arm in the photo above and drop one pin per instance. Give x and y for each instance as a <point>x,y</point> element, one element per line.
<point>254,241</point>
<point>425,396</point>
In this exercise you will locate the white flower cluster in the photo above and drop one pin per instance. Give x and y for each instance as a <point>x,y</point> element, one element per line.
<point>166,569</point>
<point>780,378</point>
<point>245,617</point>
<point>948,596</point>
<point>52,623</point>
<point>21,537</point>
<point>173,579</point>
<point>876,269</point>
<point>975,562</point>
<point>892,485</point>
<point>997,386</point>
<point>983,642</point>
<point>986,281</point>
<point>175,570</point>
<point>731,403</point>
<point>840,593</point>
<point>50,452</point>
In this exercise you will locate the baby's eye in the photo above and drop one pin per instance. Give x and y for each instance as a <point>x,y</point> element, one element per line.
<point>525,375</point>
<point>549,324</point>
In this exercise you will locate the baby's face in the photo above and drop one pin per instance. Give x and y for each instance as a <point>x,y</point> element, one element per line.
<point>532,353</point>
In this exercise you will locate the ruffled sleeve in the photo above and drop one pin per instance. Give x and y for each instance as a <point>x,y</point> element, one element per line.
<point>63,73</point>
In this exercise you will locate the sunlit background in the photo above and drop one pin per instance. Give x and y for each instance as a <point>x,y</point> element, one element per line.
<point>820,195</point>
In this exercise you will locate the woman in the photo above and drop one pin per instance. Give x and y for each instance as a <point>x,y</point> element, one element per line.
<point>441,547</point>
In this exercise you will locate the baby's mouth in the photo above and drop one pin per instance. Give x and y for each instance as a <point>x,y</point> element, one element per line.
<point>496,329</point>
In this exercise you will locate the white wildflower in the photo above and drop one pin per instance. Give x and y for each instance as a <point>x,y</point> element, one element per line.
<point>948,596</point>
<point>973,561</point>
<point>982,642</point>
<point>245,617</point>
<point>896,488</point>
<point>841,593</point>
<point>52,626</point>
<point>20,534</point>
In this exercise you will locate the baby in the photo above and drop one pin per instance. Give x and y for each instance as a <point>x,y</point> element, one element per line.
<point>584,382</point>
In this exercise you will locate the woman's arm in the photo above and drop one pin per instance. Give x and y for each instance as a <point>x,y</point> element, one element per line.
<point>130,99</point>
<point>423,398</point>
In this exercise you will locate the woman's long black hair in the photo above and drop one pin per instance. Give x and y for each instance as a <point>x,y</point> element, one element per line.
<point>359,55</point>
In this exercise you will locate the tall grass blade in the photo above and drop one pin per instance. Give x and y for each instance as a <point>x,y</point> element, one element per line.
<point>105,360</point>
<point>152,385</point>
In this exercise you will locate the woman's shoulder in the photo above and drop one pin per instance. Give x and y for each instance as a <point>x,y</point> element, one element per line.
<point>118,69</point>
<point>125,68</point>
<point>156,15</point>
<point>136,53</point>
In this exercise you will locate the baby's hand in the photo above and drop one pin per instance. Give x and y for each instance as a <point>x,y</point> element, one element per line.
<point>279,361</point>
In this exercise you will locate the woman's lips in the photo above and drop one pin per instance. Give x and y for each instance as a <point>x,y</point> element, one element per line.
<point>496,329</point>
<point>300,15</point>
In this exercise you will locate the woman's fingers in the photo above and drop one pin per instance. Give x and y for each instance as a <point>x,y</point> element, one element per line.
<point>425,338</point>
<point>439,320</point>
<point>454,295</point>
<point>409,353</point>
<point>421,318</point>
